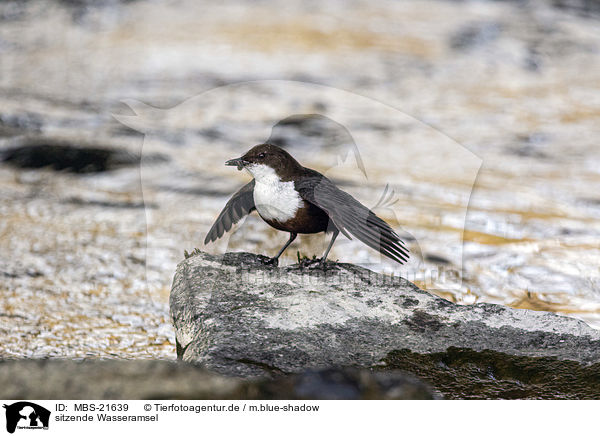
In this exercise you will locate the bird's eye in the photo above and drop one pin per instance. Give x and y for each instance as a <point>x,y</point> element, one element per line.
<point>261,155</point>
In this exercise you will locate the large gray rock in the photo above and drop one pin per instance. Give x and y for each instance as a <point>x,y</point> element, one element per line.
<point>238,317</point>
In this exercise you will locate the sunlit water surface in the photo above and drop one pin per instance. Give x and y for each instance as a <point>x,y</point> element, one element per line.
<point>481,118</point>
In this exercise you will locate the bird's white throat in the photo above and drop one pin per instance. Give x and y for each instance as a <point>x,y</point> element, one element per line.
<point>274,199</point>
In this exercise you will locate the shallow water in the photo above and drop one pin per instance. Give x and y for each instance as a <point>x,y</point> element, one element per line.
<point>490,105</point>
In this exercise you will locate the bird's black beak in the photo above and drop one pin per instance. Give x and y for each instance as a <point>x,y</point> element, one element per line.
<point>239,163</point>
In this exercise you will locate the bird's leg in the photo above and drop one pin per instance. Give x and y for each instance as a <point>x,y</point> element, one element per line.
<point>323,259</point>
<point>275,260</point>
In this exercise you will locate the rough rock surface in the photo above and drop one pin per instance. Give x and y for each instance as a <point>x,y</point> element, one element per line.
<point>238,317</point>
<point>160,379</point>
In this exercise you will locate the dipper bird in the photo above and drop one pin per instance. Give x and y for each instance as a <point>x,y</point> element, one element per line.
<point>295,199</point>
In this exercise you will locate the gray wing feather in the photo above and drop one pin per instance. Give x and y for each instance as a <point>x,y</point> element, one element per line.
<point>238,206</point>
<point>352,217</point>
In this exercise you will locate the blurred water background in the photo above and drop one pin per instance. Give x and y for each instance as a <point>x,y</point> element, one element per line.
<point>494,105</point>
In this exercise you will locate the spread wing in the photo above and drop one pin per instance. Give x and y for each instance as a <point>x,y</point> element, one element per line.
<point>238,206</point>
<point>351,217</point>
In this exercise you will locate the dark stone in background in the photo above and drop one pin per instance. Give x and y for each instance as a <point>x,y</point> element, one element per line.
<point>73,157</point>
<point>159,380</point>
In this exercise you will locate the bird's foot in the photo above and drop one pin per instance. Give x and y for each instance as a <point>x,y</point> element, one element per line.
<point>271,261</point>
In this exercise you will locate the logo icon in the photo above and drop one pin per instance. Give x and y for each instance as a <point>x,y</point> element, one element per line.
<point>26,415</point>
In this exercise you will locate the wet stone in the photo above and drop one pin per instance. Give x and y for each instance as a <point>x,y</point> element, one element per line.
<point>60,155</point>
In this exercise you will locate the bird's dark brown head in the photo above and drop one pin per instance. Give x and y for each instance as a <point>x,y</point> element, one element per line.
<point>267,155</point>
